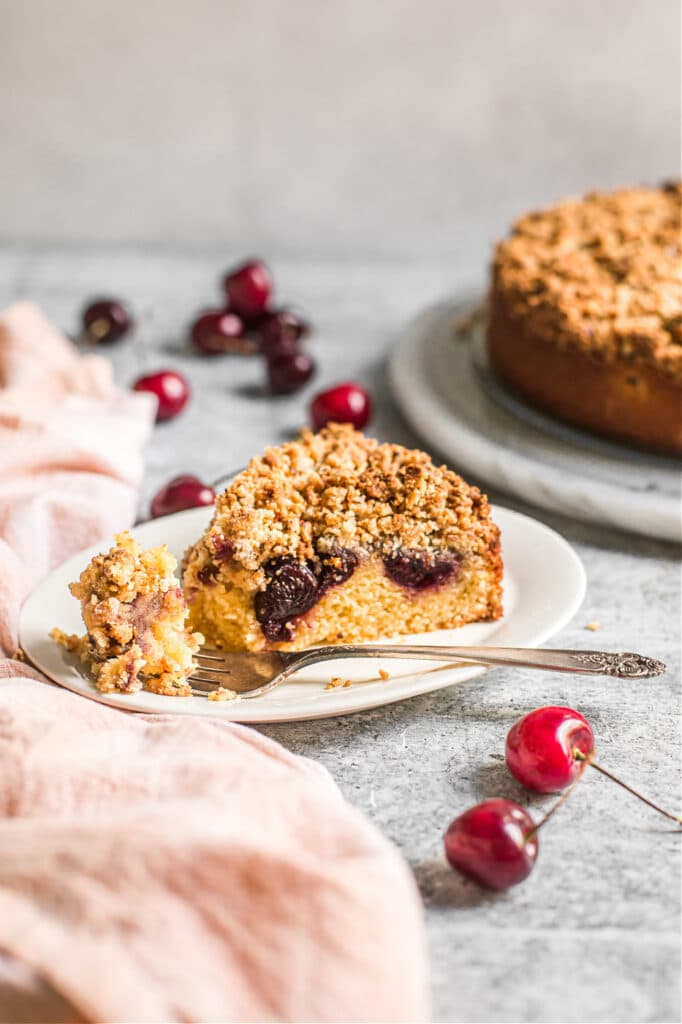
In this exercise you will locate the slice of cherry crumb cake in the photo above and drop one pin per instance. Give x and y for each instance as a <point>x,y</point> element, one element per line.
<point>335,538</point>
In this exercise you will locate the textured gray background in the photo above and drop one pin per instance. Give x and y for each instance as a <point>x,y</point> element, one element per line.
<point>371,150</point>
<point>388,128</point>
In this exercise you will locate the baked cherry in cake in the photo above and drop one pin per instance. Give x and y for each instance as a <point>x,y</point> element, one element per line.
<point>335,538</point>
<point>135,616</point>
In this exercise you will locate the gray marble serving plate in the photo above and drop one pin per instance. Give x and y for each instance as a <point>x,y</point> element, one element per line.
<point>443,386</point>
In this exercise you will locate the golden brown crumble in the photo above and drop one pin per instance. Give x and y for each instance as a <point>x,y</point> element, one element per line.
<point>340,489</point>
<point>383,674</point>
<point>134,613</point>
<point>601,274</point>
<point>222,694</point>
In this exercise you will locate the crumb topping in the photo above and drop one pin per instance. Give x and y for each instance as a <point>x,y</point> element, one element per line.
<point>338,489</point>
<point>134,612</point>
<point>601,274</point>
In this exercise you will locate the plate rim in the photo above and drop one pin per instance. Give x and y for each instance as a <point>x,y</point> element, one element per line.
<point>230,711</point>
<point>444,427</point>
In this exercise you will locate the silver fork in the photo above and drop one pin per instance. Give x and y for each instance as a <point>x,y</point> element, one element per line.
<point>252,675</point>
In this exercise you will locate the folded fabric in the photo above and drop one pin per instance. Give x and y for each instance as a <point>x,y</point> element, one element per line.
<point>161,868</point>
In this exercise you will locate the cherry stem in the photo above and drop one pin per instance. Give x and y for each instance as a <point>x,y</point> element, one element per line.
<point>586,759</point>
<point>555,807</point>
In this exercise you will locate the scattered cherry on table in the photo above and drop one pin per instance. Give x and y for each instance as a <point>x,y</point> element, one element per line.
<point>494,843</point>
<point>248,288</point>
<point>182,492</point>
<point>345,403</point>
<point>541,748</point>
<point>105,321</point>
<point>171,389</point>
<point>280,329</point>
<point>289,371</point>
<point>220,330</point>
<point>548,749</point>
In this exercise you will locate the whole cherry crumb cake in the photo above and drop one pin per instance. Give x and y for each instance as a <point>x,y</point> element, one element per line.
<point>586,313</point>
<point>135,616</point>
<point>335,538</point>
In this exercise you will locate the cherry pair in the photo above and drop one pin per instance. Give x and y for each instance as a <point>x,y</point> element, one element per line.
<point>495,843</point>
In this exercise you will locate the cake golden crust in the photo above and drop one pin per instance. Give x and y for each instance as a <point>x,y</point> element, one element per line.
<point>340,507</point>
<point>586,313</point>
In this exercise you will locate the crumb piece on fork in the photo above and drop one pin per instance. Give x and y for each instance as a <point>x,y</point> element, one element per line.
<point>594,626</point>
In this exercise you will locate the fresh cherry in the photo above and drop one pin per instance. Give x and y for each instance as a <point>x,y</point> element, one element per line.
<point>548,749</point>
<point>345,403</point>
<point>541,748</point>
<point>494,843</point>
<point>281,329</point>
<point>248,288</point>
<point>171,389</point>
<point>180,493</point>
<point>289,371</point>
<point>219,330</point>
<point>106,320</point>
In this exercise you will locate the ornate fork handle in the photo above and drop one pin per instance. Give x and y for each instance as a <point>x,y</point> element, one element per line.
<point>624,665</point>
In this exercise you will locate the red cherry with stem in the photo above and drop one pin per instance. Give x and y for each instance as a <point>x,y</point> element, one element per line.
<point>248,288</point>
<point>549,748</point>
<point>181,492</point>
<point>219,330</point>
<point>171,390</point>
<point>105,321</point>
<point>541,747</point>
<point>289,371</point>
<point>494,843</point>
<point>345,403</point>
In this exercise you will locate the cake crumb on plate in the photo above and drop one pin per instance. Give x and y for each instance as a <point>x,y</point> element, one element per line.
<point>222,693</point>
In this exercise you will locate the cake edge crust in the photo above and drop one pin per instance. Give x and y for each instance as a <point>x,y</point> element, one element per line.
<point>634,404</point>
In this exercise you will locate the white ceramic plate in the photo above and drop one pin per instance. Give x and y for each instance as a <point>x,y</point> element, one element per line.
<point>544,586</point>
<point>441,385</point>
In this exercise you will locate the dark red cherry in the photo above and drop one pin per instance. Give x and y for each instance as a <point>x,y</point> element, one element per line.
<point>345,403</point>
<point>418,570</point>
<point>181,492</point>
<point>281,329</point>
<point>248,288</point>
<point>335,568</point>
<point>289,371</point>
<point>542,746</point>
<point>171,389</point>
<point>219,330</point>
<point>493,843</point>
<point>290,590</point>
<point>106,320</point>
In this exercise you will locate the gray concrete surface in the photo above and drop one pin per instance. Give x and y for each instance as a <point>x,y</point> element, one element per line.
<point>594,934</point>
<point>298,127</point>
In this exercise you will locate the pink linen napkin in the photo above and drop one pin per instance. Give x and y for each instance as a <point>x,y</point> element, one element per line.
<point>161,868</point>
